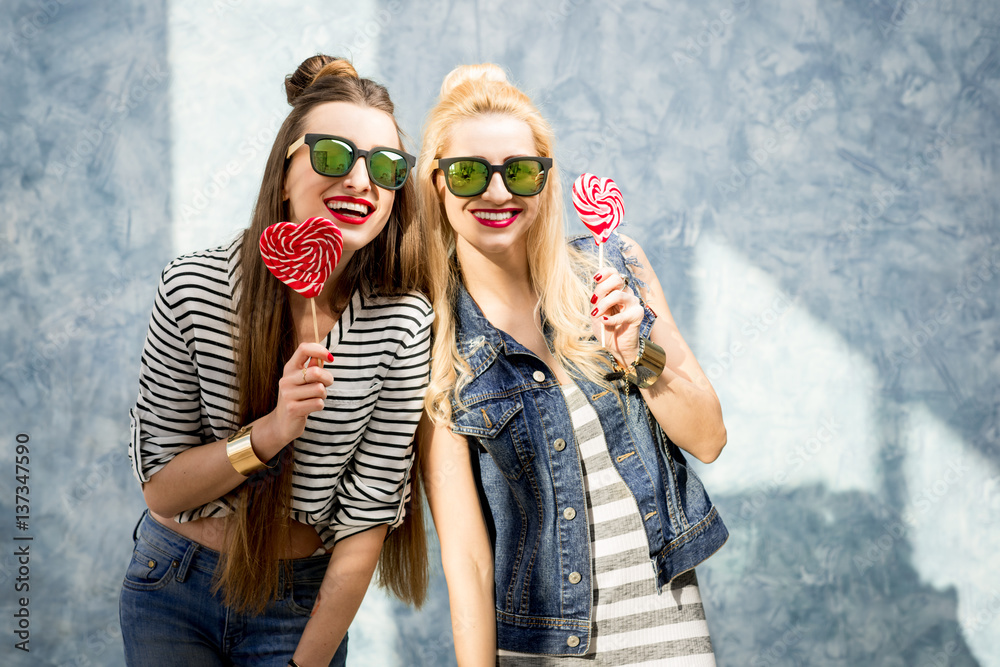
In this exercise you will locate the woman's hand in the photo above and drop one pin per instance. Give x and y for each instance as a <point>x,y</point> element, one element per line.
<point>301,391</point>
<point>201,474</point>
<point>619,312</point>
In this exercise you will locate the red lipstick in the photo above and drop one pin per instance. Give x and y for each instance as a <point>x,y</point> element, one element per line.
<point>349,210</point>
<point>495,217</point>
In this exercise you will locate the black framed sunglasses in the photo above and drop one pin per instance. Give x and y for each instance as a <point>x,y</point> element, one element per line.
<point>331,155</point>
<point>470,176</point>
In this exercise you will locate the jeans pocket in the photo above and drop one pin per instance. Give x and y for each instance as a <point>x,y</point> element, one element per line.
<point>149,569</point>
<point>303,595</point>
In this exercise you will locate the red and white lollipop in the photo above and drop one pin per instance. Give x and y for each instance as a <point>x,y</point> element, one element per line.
<point>303,256</point>
<point>598,202</point>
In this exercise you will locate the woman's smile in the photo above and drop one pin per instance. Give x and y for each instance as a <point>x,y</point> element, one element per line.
<point>351,210</point>
<point>501,217</point>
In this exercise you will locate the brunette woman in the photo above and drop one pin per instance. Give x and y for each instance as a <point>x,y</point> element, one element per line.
<point>273,465</point>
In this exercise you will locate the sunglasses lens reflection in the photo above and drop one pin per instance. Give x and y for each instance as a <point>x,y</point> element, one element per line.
<point>332,158</point>
<point>388,169</point>
<point>467,177</point>
<point>524,177</point>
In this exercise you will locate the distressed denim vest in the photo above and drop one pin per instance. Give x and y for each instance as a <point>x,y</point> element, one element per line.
<point>514,414</point>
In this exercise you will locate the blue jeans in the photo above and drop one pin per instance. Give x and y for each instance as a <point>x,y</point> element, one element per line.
<point>170,617</point>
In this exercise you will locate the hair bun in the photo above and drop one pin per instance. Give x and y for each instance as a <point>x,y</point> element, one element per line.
<point>465,73</point>
<point>314,68</point>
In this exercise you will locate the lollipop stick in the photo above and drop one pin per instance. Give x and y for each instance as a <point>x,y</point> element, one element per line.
<point>600,266</point>
<point>312,304</point>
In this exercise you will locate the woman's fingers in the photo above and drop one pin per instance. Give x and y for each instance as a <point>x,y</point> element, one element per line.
<point>297,400</point>
<point>315,374</point>
<point>619,311</point>
<point>314,353</point>
<point>626,315</point>
<point>607,281</point>
<point>615,303</point>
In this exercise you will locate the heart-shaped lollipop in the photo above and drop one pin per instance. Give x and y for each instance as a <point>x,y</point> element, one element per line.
<point>302,255</point>
<point>598,202</point>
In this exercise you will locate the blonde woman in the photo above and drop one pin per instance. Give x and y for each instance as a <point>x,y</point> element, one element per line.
<point>272,481</point>
<point>569,522</point>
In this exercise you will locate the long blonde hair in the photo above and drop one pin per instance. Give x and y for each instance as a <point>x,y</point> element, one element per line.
<point>472,91</point>
<point>257,529</point>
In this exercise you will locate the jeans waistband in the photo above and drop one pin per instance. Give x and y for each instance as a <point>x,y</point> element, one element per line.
<point>189,555</point>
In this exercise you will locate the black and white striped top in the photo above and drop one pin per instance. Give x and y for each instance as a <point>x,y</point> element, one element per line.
<point>352,462</point>
<point>633,623</point>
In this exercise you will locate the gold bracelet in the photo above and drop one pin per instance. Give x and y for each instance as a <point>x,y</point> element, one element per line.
<point>648,364</point>
<point>241,454</point>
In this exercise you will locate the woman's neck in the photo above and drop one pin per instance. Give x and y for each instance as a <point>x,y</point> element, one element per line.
<point>497,282</point>
<point>501,287</point>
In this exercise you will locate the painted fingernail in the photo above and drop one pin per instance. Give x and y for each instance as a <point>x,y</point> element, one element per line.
<point>593,299</point>
<point>605,318</point>
<point>598,276</point>
<point>330,357</point>
<point>593,312</point>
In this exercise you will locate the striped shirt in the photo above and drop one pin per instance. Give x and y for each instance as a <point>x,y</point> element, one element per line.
<point>633,624</point>
<point>352,461</point>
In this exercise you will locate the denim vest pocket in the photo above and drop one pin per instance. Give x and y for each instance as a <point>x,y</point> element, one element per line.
<point>493,424</point>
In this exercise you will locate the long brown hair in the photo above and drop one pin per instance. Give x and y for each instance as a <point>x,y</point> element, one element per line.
<point>257,529</point>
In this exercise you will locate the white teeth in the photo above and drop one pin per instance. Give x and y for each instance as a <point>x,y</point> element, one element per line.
<point>360,209</point>
<point>495,217</point>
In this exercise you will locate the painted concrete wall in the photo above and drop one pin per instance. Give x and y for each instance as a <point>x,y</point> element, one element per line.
<point>815,183</point>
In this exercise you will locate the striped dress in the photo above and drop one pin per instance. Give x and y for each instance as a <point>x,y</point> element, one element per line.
<point>633,625</point>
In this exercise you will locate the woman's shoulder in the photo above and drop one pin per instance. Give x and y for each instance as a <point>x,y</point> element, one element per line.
<point>410,305</point>
<point>586,243</point>
<point>207,275</point>
<point>208,264</point>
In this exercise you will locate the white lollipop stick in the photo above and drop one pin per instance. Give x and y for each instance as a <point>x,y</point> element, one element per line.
<point>598,202</point>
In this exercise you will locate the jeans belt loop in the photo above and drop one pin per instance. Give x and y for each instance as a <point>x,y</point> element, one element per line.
<point>135,531</point>
<point>185,565</point>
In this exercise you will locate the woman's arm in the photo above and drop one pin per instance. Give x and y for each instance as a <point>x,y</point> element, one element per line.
<point>201,474</point>
<point>466,553</point>
<point>352,563</point>
<point>682,400</point>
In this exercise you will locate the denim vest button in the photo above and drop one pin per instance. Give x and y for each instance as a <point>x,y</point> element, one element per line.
<point>569,513</point>
<point>574,577</point>
<point>559,444</point>
<point>538,376</point>
<point>572,641</point>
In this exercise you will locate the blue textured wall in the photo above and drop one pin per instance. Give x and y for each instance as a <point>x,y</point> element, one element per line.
<point>84,174</point>
<point>815,182</point>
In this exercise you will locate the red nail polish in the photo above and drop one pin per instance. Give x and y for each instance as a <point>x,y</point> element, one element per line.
<point>593,312</point>
<point>598,277</point>
<point>330,357</point>
<point>605,318</point>
<point>593,299</point>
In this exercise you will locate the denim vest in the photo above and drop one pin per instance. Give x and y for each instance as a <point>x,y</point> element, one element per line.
<point>529,473</point>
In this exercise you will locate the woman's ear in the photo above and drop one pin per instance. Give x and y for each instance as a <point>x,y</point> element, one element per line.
<point>439,184</point>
